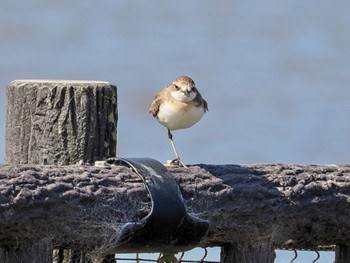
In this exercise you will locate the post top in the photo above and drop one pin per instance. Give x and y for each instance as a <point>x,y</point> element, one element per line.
<point>51,81</point>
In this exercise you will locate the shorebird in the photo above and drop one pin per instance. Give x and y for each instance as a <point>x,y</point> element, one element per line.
<point>178,106</point>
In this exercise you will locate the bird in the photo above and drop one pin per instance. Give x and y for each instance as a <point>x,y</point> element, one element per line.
<point>178,106</point>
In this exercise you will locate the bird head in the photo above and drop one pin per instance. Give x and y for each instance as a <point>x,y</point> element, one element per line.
<point>184,89</point>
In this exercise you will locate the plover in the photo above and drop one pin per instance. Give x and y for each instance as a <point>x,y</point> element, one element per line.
<point>178,106</point>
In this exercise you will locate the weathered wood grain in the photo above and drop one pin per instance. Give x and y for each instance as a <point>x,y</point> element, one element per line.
<point>60,122</point>
<point>290,206</point>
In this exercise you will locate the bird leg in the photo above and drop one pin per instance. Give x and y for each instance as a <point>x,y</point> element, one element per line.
<point>177,160</point>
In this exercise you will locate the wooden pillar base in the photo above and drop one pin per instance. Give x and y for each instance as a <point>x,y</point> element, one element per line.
<point>29,252</point>
<point>342,254</point>
<point>248,252</point>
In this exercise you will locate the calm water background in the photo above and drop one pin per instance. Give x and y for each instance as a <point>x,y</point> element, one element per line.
<point>275,74</point>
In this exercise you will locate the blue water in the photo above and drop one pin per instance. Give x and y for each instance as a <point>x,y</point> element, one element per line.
<point>275,73</point>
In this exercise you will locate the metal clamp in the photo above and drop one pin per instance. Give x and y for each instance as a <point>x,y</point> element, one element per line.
<point>168,227</point>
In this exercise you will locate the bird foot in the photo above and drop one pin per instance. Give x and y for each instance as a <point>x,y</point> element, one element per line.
<point>177,162</point>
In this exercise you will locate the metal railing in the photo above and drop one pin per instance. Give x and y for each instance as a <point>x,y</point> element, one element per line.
<point>182,259</point>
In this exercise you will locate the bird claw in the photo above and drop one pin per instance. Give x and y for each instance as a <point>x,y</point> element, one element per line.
<point>177,162</point>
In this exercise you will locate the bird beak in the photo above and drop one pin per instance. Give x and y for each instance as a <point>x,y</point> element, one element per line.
<point>187,93</point>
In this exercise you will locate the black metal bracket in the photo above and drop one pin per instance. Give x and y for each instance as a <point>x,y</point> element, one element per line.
<point>168,227</point>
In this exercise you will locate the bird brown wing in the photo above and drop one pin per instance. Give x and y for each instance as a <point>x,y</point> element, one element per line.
<point>154,109</point>
<point>205,105</point>
<point>199,101</point>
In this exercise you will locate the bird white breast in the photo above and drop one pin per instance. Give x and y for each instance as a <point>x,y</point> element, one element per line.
<point>179,115</point>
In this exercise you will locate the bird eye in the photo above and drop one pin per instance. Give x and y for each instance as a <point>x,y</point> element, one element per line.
<point>176,87</point>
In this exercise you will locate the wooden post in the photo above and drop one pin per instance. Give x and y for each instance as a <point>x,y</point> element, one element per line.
<point>342,254</point>
<point>60,122</point>
<point>248,252</point>
<point>57,122</point>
